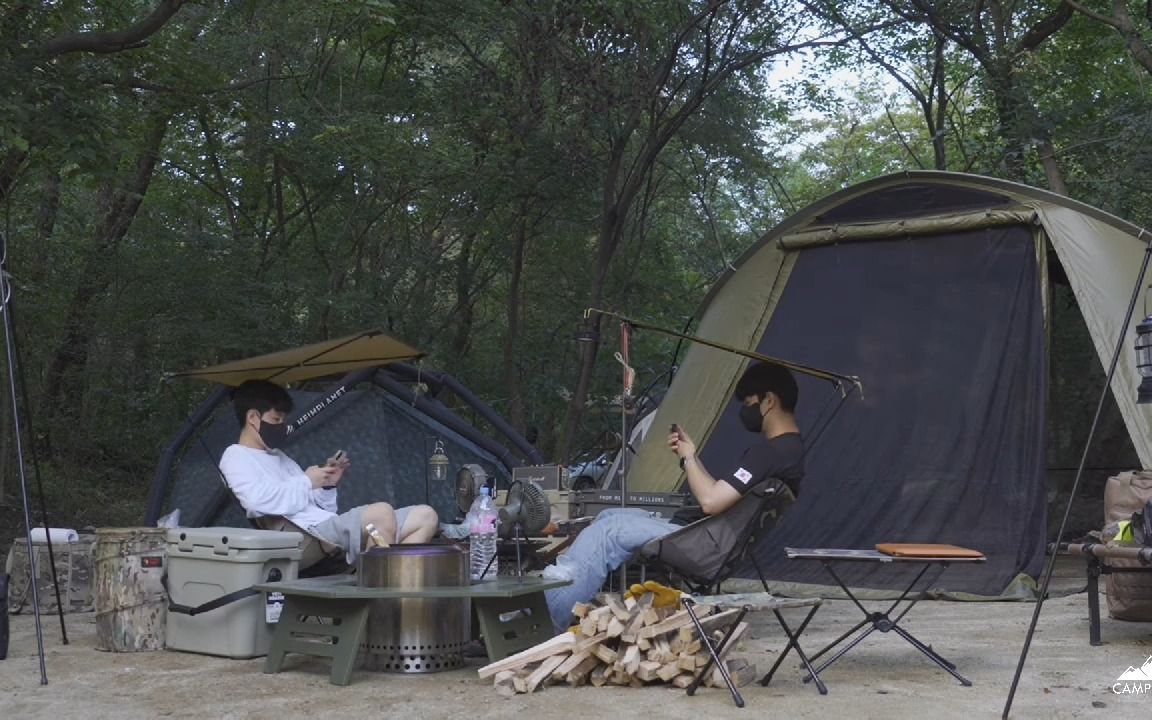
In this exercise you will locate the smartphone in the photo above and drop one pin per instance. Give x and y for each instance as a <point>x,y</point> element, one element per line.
<point>337,458</point>
<point>674,429</point>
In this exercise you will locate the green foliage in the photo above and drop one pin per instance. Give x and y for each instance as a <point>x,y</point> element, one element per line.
<point>265,173</point>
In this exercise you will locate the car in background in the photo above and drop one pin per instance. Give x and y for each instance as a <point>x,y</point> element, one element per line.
<point>587,474</point>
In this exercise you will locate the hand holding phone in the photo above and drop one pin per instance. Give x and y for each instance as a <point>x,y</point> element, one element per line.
<point>339,458</point>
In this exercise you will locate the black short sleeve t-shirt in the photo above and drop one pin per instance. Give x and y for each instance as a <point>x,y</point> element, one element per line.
<point>779,457</point>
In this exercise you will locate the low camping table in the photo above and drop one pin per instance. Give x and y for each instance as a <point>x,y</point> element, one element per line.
<point>346,603</point>
<point>882,621</point>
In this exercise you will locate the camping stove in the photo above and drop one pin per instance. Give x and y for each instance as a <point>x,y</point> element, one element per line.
<point>415,635</point>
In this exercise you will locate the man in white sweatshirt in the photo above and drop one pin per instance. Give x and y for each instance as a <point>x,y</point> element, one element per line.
<point>268,482</point>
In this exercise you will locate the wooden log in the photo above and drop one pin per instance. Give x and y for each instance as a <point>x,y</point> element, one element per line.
<point>712,622</point>
<point>691,648</point>
<point>632,659</point>
<point>599,676</point>
<point>588,643</point>
<point>674,622</point>
<point>503,683</point>
<point>738,670</point>
<point>615,628</point>
<point>683,680</point>
<point>579,674</point>
<point>687,662</point>
<point>629,603</point>
<point>644,602</point>
<point>643,643</point>
<point>647,671</point>
<point>520,679</point>
<point>569,663</point>
<point>603,620</point>
<point>664,652</point>
<point>606,654</point>
<point>544,671</point>
<point>588,626</point>
<point>613,603</point>
<point>668,671</point>
<point>581,609</point>
<point>562,643</point>
<point>632,630</point>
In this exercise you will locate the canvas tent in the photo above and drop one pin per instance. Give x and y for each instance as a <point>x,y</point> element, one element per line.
<point>933,288</point>
<point>388,419</point>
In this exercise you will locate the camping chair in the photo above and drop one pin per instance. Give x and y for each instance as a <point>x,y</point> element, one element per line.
<point>317,557</point>
<point>707,552</point>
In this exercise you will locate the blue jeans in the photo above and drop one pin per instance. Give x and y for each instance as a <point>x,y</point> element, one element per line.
<point>599,549</point>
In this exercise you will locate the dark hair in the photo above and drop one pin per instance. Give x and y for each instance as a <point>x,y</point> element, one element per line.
<point>765,377</point>
<point>261,396</point>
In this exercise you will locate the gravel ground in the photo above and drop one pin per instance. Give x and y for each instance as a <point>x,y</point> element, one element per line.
<point>882,678</point>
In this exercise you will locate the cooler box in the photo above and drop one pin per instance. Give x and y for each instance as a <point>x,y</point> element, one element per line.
<point>207,563</point>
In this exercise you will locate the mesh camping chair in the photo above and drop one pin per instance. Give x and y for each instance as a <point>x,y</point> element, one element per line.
<point>707,552</point>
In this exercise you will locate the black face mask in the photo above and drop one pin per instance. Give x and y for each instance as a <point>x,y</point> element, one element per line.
<point>273,435</point>
<point>751,418</point>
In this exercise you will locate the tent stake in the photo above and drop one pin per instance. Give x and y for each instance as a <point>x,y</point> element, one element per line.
<point>1079,474</point>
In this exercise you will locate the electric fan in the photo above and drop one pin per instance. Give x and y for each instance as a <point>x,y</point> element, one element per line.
<point>526,511</point>
<point>469,479</point>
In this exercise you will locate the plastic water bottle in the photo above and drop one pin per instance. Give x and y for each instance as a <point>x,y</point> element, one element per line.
<point>481,520</point>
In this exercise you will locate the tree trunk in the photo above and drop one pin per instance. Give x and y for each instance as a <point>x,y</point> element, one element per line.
<point>512,336</point>
<point>462,338</point>
<point>120,205</point>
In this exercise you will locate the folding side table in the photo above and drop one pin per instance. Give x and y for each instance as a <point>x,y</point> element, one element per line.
<point>884,621</point>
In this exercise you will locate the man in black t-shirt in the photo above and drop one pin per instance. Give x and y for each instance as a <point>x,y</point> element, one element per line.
<point>767,393</point>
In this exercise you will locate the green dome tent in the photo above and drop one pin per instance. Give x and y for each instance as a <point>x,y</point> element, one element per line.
<point>932,287</point>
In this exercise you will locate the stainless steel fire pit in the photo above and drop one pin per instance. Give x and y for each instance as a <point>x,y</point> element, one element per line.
<point>415,635</point>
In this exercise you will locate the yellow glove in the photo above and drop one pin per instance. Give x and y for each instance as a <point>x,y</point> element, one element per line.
<point>662,595</point>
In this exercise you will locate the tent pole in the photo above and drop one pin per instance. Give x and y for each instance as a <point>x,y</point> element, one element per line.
<point>5,299</point>
<point>1079,474</point>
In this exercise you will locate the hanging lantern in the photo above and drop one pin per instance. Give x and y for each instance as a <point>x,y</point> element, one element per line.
<point>438,464</point>
<point>1144,360</point>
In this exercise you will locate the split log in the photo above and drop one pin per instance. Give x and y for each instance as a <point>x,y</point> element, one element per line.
<point>581,609</point>
<point>599,676</point>
<point>631,659</point>
<point>668,671</point>
<point>544,671</point>
<point>688,631</point>
<point>674,622</point>
<point>647,671</point>
<point>606,654</point>
<point>615,628</point>
<point>503,683</point>
<point>683,680</point>
<point>579,674</point>
<point>562,643</point>
<point>570,664</point>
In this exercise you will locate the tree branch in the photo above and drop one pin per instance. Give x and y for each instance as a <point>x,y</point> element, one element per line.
<point>113,41</point>
<point>1044,29</point>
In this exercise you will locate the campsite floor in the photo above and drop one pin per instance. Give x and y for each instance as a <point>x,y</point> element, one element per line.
<point>881,678</point>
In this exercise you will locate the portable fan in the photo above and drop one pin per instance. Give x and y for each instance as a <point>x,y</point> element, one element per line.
<point>527,507</point>
<point>469,479</point>
<point>526,511</point>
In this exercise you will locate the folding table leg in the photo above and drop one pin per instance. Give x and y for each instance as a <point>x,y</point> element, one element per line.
<point>713,653</point>
<point>1093,600</point>
<point>794,642</point>
<point>932,655</point>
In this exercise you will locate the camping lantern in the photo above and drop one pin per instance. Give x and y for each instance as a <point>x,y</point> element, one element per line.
<point>1144,360</point>
<point>437,472</point>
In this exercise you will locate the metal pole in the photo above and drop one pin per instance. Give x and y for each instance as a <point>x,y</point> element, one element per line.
<point>624,392</point>
<point>1079,474</point>
<point>5,297</point>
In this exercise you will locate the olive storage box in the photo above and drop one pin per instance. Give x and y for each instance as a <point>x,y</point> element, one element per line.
<point>207,563</point>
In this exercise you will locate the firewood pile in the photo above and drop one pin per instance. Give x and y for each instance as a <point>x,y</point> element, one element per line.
<point>624,642</point>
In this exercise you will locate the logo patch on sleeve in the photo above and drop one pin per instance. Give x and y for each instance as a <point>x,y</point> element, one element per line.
<point>743,475</point>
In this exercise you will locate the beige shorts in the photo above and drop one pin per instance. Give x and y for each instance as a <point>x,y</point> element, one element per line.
<point>347,529</point>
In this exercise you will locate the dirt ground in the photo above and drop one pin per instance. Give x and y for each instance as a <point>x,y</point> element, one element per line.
<point>882,678</point>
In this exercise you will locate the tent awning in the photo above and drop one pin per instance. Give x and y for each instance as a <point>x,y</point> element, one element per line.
<point>331,357</point>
